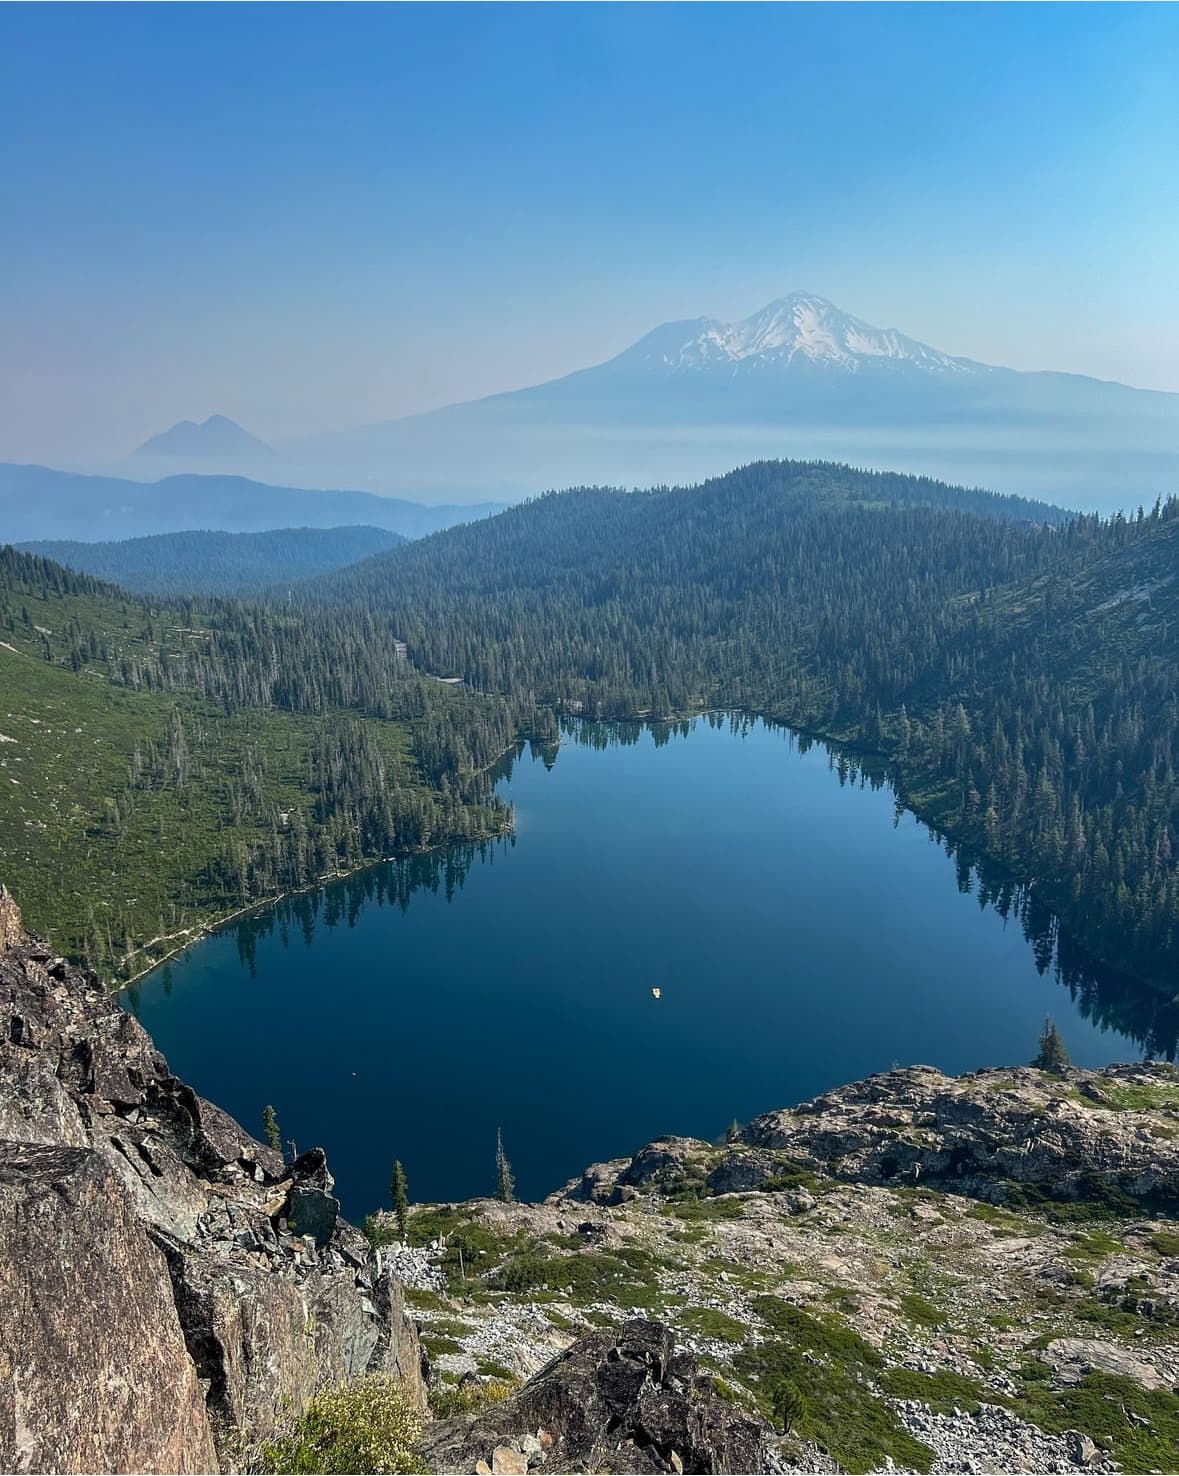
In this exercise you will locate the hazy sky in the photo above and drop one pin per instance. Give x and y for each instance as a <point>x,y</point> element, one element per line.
<point>309,216</point>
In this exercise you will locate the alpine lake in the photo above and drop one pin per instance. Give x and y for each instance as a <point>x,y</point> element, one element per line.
<point>691,924</point>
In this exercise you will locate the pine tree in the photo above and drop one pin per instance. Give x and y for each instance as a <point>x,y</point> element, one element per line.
<point>1052,1055</point>
<point>270,1128</point>
<point>399,1197</point>
<point>505,1183</point>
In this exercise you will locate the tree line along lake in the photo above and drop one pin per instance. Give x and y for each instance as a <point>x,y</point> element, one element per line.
<point>800,929</point>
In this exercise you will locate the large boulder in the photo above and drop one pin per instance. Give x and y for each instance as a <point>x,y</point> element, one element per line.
<point>94,1371</point>
<point>622,1401</point>
<point>269,1293</point>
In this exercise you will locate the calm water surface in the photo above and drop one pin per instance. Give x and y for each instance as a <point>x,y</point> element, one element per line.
<point>799,936</point>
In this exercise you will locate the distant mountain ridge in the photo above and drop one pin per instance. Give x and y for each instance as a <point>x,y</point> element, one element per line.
<point>215,563</point>
<point>38,503</point>
<point>216,439</point>
<point>799,378</point>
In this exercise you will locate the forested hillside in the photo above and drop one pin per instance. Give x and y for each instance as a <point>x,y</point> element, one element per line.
<point>216,563</point>
<point>163,764</point>
<point>1018,673</point>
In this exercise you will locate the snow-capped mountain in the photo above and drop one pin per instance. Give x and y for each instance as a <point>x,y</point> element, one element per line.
<point>801,328</point>
<point>798,378</point>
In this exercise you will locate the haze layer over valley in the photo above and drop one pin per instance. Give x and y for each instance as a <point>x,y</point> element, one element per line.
<point>799,378</point>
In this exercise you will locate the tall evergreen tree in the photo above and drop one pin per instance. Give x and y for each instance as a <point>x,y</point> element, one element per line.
<point>399,1198</point>
<point>1052,1055</point>
<point>270,1128</point>
<point>505,1182</point>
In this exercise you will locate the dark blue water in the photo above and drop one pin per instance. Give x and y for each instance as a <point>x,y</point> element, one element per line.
<point>801,937</point>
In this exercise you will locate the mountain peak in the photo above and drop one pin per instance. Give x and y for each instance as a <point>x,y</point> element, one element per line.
<point>799,329</point>
<point>216,438</point>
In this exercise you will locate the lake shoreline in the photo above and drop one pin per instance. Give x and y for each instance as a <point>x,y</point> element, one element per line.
<point>923,812</point>
<point>411,1010</point>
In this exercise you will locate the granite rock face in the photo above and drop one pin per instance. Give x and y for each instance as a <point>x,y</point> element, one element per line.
<point>616,1401</point>
<point>993,1133</point>
<point>94,1372</point>
<point>1006,1136</point>
<point>257,1293</point>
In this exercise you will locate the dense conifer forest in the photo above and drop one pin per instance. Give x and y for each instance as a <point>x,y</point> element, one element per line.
<point>165,764</point>
<point>1014,665</point>
<point>217,563</point>
<point>1010,667</point>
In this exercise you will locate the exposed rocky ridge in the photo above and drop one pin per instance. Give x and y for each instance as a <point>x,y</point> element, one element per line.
<point>1005,1136</point>
<point>129,1203</point>
<point>1012,1305</point>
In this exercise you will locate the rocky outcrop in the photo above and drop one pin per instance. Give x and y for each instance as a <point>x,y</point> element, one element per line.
<point>154,1254</point>
<point>993,1133</point>
<point>624,1401</point>
<point>94,1372</point>
<point>1017,1136</point>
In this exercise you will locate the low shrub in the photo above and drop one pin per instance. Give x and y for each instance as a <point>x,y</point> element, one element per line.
<point>360,1427</point>
<point>816,1379</point>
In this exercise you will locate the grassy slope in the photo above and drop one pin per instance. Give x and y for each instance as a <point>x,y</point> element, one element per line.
<point>72,740</point>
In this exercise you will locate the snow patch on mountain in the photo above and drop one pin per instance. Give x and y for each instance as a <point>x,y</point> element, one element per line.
<point>799,327</point>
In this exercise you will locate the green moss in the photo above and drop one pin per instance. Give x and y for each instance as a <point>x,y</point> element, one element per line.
<point>1093,1245</point>
<point>707,1322</point>
<point>795,1176</point>
<point>1117,1313</point>
<point>817,1378</point>
<point>745,1276</point>
<point>1096,1199</point>
<point>1138,1427</point>
<point>499,1373</point>
<point>1001,1221</point>
<point>731,1394</point>
<point>690,1183</point>
<point>469,1398</point>
<point>626,1276</point>
<point>917,1309</point>
<point>1137,1097</point>
<point>448,1327</point>
<point>377,1233</point>
<point>473,1249</point>
<point>421,1299</point>
<point>943,1392</point>
<point>1166,1242</point>
<point>726,1208</point>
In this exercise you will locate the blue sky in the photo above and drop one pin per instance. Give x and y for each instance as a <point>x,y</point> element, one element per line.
<point>308,216</point>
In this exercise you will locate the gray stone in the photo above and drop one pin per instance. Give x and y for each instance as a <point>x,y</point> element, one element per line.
<point>314,1213</point>
<point>184,1210</point>
<point>614,1402</point>
<point>94,1371</point>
